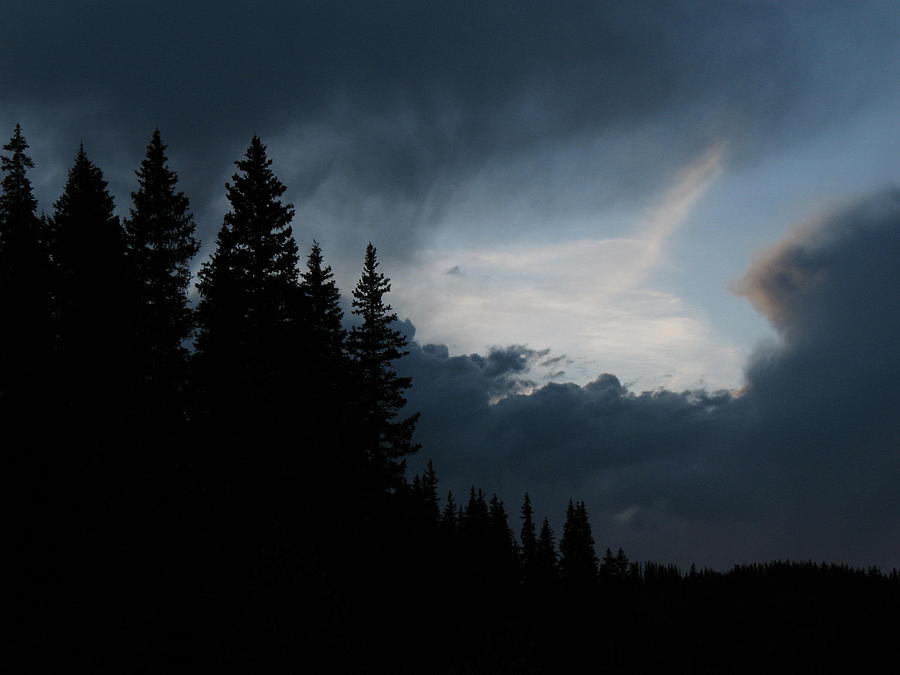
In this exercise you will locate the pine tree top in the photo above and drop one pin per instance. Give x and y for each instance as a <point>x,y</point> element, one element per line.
<point>160,243</point>
<point>17,197</point>
<point>255,245</point>
<point>546,536</point>
<point>476,511</point>
<point>85,231</point>
<point>375,340</point>
<point>317,273</point>
<point>259,221</point>
<point>255,192</point>
<point>160,228</point>
<point>527,510</point>
<point>528,535</point>
<point>249,287</point>
<point>324,315</point>
<point>156,183</point>
<point>86,192</point>
<point>368,296</point>
<point>94,284</point>
<point>449,514</point>
<point>576,547</point>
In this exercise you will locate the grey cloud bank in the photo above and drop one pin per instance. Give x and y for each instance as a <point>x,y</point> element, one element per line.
<point>377,112</point>
<point>803,463</point>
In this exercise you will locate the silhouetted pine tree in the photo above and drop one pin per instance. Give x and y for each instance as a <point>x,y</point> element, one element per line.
<point>93,466</point>
<point>429,493</point>
<point>528,539</point>
<point>322,314</point>
<point>160,243</point>
<point>540,600</point>
<point>93,300</point>
<point>545,561</point>
<point>622,564</point>
<point>423,491</point>
<point>472,540</point>
<point>503,553</point>
<point>323,368</point>
<point>249,298</point>
<point>473,522</point>
<point>25,343</point>
<point>26,338</point>
<point>374,345</point>
<point>578,560</point>
<point>449,519</point>
<point>245,363</point>
<point>608,564</point>
<point>245,370</point>
<point>17,202</point>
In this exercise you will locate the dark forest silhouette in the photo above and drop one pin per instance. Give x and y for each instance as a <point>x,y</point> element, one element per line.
<point>242,505</point>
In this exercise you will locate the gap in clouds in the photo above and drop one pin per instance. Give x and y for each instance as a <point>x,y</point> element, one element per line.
<point>591,298</point>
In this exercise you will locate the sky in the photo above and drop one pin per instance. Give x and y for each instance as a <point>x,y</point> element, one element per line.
<point>645,251</point>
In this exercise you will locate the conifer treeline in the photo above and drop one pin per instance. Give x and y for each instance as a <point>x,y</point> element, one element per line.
<point>223,489</point>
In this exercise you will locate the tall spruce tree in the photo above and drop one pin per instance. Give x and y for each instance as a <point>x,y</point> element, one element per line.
<point>94,466</point>
<point>17,202</point>
<point>249,297</point>
<point>20,235</point>
<point>160,243</point>
<point>323,315</point>
<point>93,298</point>
<point>25,344</point>
<point>545,562</point>
<point>244,369</point>
<point>578,559</point>
<point>528,540</point>
<point>473,520</point>
<point>614,566</point>
<point>24,284</point>
<point>374,345</point>
<point>321,401</point>
<point>429,495</point>
<point>449,518</point>
<point>502,549</point>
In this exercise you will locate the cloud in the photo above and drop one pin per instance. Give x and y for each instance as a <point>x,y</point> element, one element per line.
<point>393,119</point>
<point>833,292</point>
<point>804,462</point>
<point>594,297</point>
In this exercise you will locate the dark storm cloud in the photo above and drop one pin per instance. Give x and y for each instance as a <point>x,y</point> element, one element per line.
<point>389,103</point>
<point>505,361</point>
<point>481,379</point>
<point>832,389</point>
<point>805,462</point>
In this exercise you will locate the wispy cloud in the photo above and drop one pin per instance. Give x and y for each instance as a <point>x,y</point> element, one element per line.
<point>591,297</point>
<point>690,185</point>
